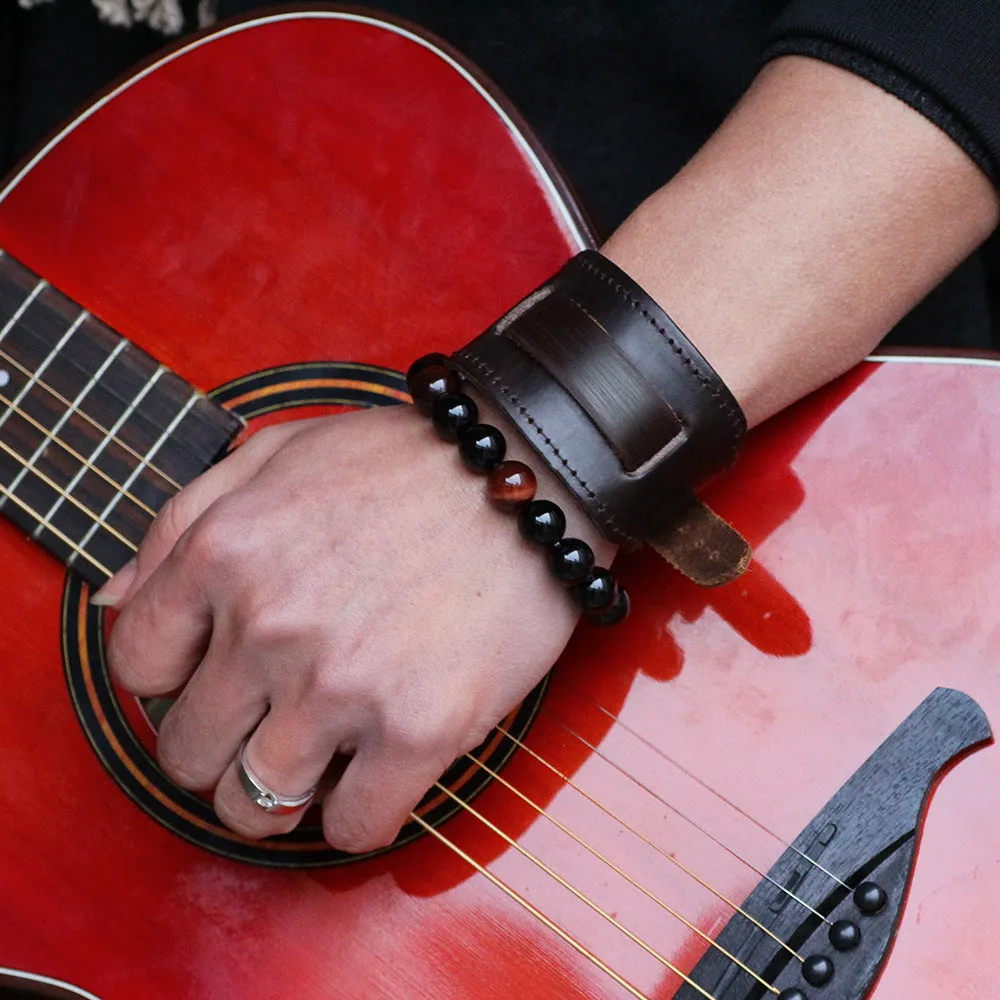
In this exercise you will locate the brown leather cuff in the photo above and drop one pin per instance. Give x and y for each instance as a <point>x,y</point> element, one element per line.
<point>620,405</point>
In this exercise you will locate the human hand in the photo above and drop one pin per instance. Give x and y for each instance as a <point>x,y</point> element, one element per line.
<point>338,585</point>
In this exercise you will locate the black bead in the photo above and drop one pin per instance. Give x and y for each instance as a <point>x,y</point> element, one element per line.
<point>793,994</point>
<point>542,522</point>
<point>615,612</point>
<point>817,970</point>
<point>571,560</point>
<point>453,412</point>
<point>482,447</point>
<point>870,898</point>
<point>845,935</point>
<point>597,592</point>
<point>429,384</point>
<point>425,361</point>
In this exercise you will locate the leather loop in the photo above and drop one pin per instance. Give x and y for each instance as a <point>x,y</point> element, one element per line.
<point>703,546</point>
<point>572,346</point>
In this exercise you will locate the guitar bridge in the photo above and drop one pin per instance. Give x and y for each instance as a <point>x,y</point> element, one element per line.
<point>812,933</point>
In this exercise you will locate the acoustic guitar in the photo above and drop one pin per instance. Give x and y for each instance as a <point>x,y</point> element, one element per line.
<point>765,790</point>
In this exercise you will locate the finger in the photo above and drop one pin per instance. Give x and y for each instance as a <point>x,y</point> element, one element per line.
<point>204,729</point>
<point>183,509</point>
<point>374,798</point>
<point>163,632</point>
<point>288,754</point>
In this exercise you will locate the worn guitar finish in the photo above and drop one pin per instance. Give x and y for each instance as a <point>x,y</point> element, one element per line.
<point>293,210</point>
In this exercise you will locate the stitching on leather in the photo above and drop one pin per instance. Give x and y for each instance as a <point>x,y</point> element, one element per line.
<point>489,373</point>
<point>735,425</point>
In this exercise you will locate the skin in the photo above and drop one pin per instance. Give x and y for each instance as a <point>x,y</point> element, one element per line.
<point>820,212</point>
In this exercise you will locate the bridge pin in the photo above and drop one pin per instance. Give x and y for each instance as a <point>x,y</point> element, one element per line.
<point>817,970</point>
<point>870,898</point>
<point>845,935</point>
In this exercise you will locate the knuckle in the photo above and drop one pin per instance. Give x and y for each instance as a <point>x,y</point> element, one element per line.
<point>208,544</point>
<point>265,440</point>
<point>430,731</point>
<point>121,653</point>
<point>266,623</point>
<point>169,523</point>
<point>239,823</point>
<point>175,768</point>
<point>172,521</point>
<point>173,761</point>
<point>250,826</point>
<point>328,686</point>
<point>355,834</point>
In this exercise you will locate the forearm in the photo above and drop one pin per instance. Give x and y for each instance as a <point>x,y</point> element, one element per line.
<point>820,212</point>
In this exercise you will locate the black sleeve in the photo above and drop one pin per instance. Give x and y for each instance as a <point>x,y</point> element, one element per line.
<point>942,57</point>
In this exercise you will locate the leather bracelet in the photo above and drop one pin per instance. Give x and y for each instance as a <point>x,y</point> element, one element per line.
<point>621,406</point>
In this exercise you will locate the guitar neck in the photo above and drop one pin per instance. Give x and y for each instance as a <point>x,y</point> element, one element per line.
<point>95,435</point>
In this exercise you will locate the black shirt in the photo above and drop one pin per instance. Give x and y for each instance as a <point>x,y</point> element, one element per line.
<point>621,91</point>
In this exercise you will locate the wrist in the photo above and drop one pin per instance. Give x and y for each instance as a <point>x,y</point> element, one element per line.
<point>819,213</point>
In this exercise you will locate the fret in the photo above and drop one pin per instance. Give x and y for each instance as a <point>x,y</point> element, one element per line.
<point>147,458</point>
<point>95,454</point>
<point>36,375</point>
<point>22,309</point>
<point>87,419</point>
<point>73,365</point>
<point>66,541</point>
<point>110,397</point>
<point>11,491</point>
<point>51,435</point>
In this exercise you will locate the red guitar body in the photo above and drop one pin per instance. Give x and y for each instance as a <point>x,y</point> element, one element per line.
<point>324,186</point>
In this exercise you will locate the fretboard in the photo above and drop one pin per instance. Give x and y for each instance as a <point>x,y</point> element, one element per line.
<point>95,435</point>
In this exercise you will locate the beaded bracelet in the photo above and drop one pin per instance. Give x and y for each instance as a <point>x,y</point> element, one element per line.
<point>436,389</point>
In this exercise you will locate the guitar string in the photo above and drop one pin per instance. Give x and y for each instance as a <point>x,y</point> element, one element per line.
<point>40,286</point>
<point>8,493</point>
<point>86,416</point>
<point>534,859</point>
<point>609,714</point>
<point>656,847</point>
<point>24,415</point>
<point>704,784</point>
<point>665,962</point>
<point>621,872</point>
<point>133,547</point>
<point>110,387</point>
<point>55,531</point>
<point>68,496</point>
<point>530,908</point>
<point>687,819</point>
<point>600,707</point>
<point>531,857</point>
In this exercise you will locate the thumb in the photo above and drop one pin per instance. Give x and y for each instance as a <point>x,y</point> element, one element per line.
<point>184,508</point>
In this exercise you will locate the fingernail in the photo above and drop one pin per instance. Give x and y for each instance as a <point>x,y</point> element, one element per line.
<point>112,593</point>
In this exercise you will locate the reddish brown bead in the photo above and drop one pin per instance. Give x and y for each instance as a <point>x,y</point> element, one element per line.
<point>429,384</point>
<point>512,483</point>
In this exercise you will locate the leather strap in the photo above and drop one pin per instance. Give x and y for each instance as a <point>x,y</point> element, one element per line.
<point>621,406</point>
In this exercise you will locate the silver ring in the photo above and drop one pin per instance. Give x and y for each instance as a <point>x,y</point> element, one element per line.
<point>268,800</point>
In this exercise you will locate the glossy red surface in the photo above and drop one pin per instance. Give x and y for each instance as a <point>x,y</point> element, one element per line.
<point>325,188</point>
